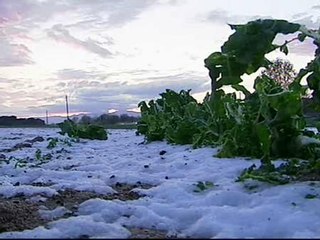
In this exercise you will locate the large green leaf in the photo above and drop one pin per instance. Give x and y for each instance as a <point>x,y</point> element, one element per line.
<point>242,89</point>
<point>228,80</point>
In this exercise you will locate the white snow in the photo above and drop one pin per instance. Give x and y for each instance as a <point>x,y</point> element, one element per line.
<point>308,140</point>
<point>53,214</point>
<point>73,227</point>
<point>228,209</point>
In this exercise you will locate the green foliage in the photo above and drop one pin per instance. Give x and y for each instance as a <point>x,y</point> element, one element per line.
<point>53,143</point>
<point>170,117</point>
<point>27,161</point>
<point>202,186</point>
<point>311,196</point>
<point>245,50</point>
<point>38,154</point>
<point>292,170</point>
<point>87,132</point>
<point>68,127</point>
<point>264,174</point>
<point>42,158</point>
<point>267,124</point>
<point>20,162</point>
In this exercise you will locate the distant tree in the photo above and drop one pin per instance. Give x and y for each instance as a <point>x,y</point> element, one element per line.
<point>113,119</point>
<point>14,121</point>
<point>102,119</point>
<point>281,71</point>
<point>75,119</point>
<point>110,119</point>
<point>85,119</point>
<point>106,119</point>
<point>125,118</point>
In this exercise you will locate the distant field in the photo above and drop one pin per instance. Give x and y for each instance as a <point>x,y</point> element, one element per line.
<point>112,126</point>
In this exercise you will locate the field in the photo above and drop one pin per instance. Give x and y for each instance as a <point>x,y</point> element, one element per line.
<point>54,187</point>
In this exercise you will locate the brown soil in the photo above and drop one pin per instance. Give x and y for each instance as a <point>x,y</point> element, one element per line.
<point>139,233</point>
<point>18,213</point>
<point>71,199</point>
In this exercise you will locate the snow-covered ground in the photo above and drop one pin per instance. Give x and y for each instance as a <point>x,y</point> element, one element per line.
<point>228,209</point>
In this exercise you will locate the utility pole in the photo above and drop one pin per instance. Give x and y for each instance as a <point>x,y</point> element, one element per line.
<point>67,107</point>
<point>47,118</point>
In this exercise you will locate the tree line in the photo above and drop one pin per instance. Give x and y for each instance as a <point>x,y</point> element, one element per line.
<point>13,121</point>
<point>106,119</point>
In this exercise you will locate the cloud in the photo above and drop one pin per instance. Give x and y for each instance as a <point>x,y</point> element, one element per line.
<point>17,100</point>
<point>123,96</point>
<point>68,74</point>
<point>222,16</point>
<point>18,19</point>
<point>176,82</point>
<point>311,18</point>
<point>111,12</point>
<point>88,93</point>
<point>309,21</point>
<point>305,48</point>
<point>317,7</point>
<point>31,13</point>
<point>12,54</point>
<point>4,81</point>
<point>219,16</point>
<point>103,79</point>
<point>59,33</point>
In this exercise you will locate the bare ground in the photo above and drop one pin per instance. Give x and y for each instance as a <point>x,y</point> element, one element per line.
<point>18,213</point>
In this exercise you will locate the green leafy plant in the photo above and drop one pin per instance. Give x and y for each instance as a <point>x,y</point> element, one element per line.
<point>264,174</point>
<point>41,158</point>
<point>170,117</point>
<point>20,162</point>
<point>311,196</point>
<point>53,143</point>
<point>87,132</point>
<point>38,154</point>
<point>267,124</point>
<point>203,185</point>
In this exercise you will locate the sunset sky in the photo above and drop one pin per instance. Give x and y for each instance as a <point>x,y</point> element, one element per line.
<point>111,54</point>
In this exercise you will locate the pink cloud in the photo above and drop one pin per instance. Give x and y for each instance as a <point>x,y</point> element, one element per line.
<point>14,54</point>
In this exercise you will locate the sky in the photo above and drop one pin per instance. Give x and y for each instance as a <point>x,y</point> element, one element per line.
<point>111,54</point>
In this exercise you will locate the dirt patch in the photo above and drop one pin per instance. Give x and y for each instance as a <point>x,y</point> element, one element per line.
<point>26,144</point>
<point>140,233</point>
<point>41,184</point>
<point>125,192</point>
<point>71,199</point>
<point>18,215</point>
